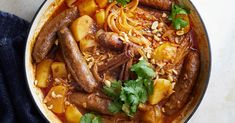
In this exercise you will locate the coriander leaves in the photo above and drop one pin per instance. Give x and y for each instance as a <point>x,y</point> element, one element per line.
<point>121,2</point>
<point>177,21</point>
<point>90,118</point>
<point>127,97</point>
<point>143,69</point>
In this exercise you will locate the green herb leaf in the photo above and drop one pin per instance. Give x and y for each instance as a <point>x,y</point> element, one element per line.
<point>123,2</point>
<point>143,69</point>
<point>128,97</point>
<point>179,23</point>
<point>97,120</point>
<point>115,107</point>
<point>90,118</point>
<point>114,90</point>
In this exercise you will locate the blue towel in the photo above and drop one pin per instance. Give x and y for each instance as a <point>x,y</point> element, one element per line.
<point>16,104</point>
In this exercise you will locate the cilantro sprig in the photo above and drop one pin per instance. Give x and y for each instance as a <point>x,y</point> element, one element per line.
<point>127,97</point>
<point>90,118</point>
<point>178,23</point>
<point>121,2</point>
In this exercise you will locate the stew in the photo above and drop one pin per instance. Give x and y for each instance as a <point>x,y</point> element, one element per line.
<point>115,61</point>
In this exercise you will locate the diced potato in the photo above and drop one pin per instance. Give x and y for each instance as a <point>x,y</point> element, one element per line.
<point>87,7</point>
<point>162,89</point>
<point>55,99</point>
<point>72,114</point>
<point>58,70</point>
<point>152,115</point>
<point>87,44</point>
<point>102,3</point>
<point>185,29</point>
<point>81,27</point>
<point>166,51</point>
<point>100,17</point>
<point>43,72</point>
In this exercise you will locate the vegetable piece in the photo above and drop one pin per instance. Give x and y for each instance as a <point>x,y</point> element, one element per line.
<point>42,73</point>
<point>90,118</point>
<point>100,17</point>
<point>102,3</point>
<point>114,90</point>
<point>59,70</point>
<point>178,22</point>
<point>87,7</point>
<point>55,99</point>
<point>165,52</point>
<point>162,89</point>
<point>143,69</point>
<point>152,114</point>
<point>123,2</point>
<point>72,114</point>
<point>82,26</point>
<point>87,44</point>
<point>187,27</point>
<point>133,93</point>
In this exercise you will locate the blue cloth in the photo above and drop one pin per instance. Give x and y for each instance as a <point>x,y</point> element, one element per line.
<point>16,104</point>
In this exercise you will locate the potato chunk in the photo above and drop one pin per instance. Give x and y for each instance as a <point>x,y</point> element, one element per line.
<point>82,26</point>
<point>162,89</point>
<point>55,99</point>
<point>165,52</point>
<point>152,115</point>
<point>102,3</point>
<point>59,70</point>
<point>87,7</point>
<point>100,17</point>
<point>43,72</point>
<point>72,114</point>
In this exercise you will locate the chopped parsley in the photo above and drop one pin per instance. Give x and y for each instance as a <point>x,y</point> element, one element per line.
<point>90,118</point>
<point>178,23</point>
<point>127,97</point>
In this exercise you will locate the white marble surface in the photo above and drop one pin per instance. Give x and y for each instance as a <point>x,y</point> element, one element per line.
<point>218,105</point>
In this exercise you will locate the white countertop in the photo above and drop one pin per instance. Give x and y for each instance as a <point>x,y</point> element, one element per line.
<point>218,105</point>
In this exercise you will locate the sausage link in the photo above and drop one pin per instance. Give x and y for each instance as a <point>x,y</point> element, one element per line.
<point>47,35</point>
<point>159,4</point>
<point>90,102</point>
<point>75,61</point>
<point>184,86</point>
<point>110,40</point>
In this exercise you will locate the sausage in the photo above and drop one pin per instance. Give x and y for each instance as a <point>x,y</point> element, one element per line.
<point>47,35</point>
<point>184,86</point>
<point>110,40</point>
<point>75,61</point>
<point>159,4</point>
<point>91,102</point>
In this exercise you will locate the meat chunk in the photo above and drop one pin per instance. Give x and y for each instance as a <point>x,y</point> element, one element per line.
<point>159,4</point>
<point>47,35</point>
<point>110,40</point>
<point>75,62</point>
<point>91,102</point>
<point>185,84</point>
<point>116,61</point>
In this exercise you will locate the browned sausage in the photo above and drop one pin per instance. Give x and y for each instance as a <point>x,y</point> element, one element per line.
<point>91,102</point>
<point>75,61</point>
<point>184,86</point>
<point>159,4</point>
<point>110,40</point>
<point>47,35</point>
